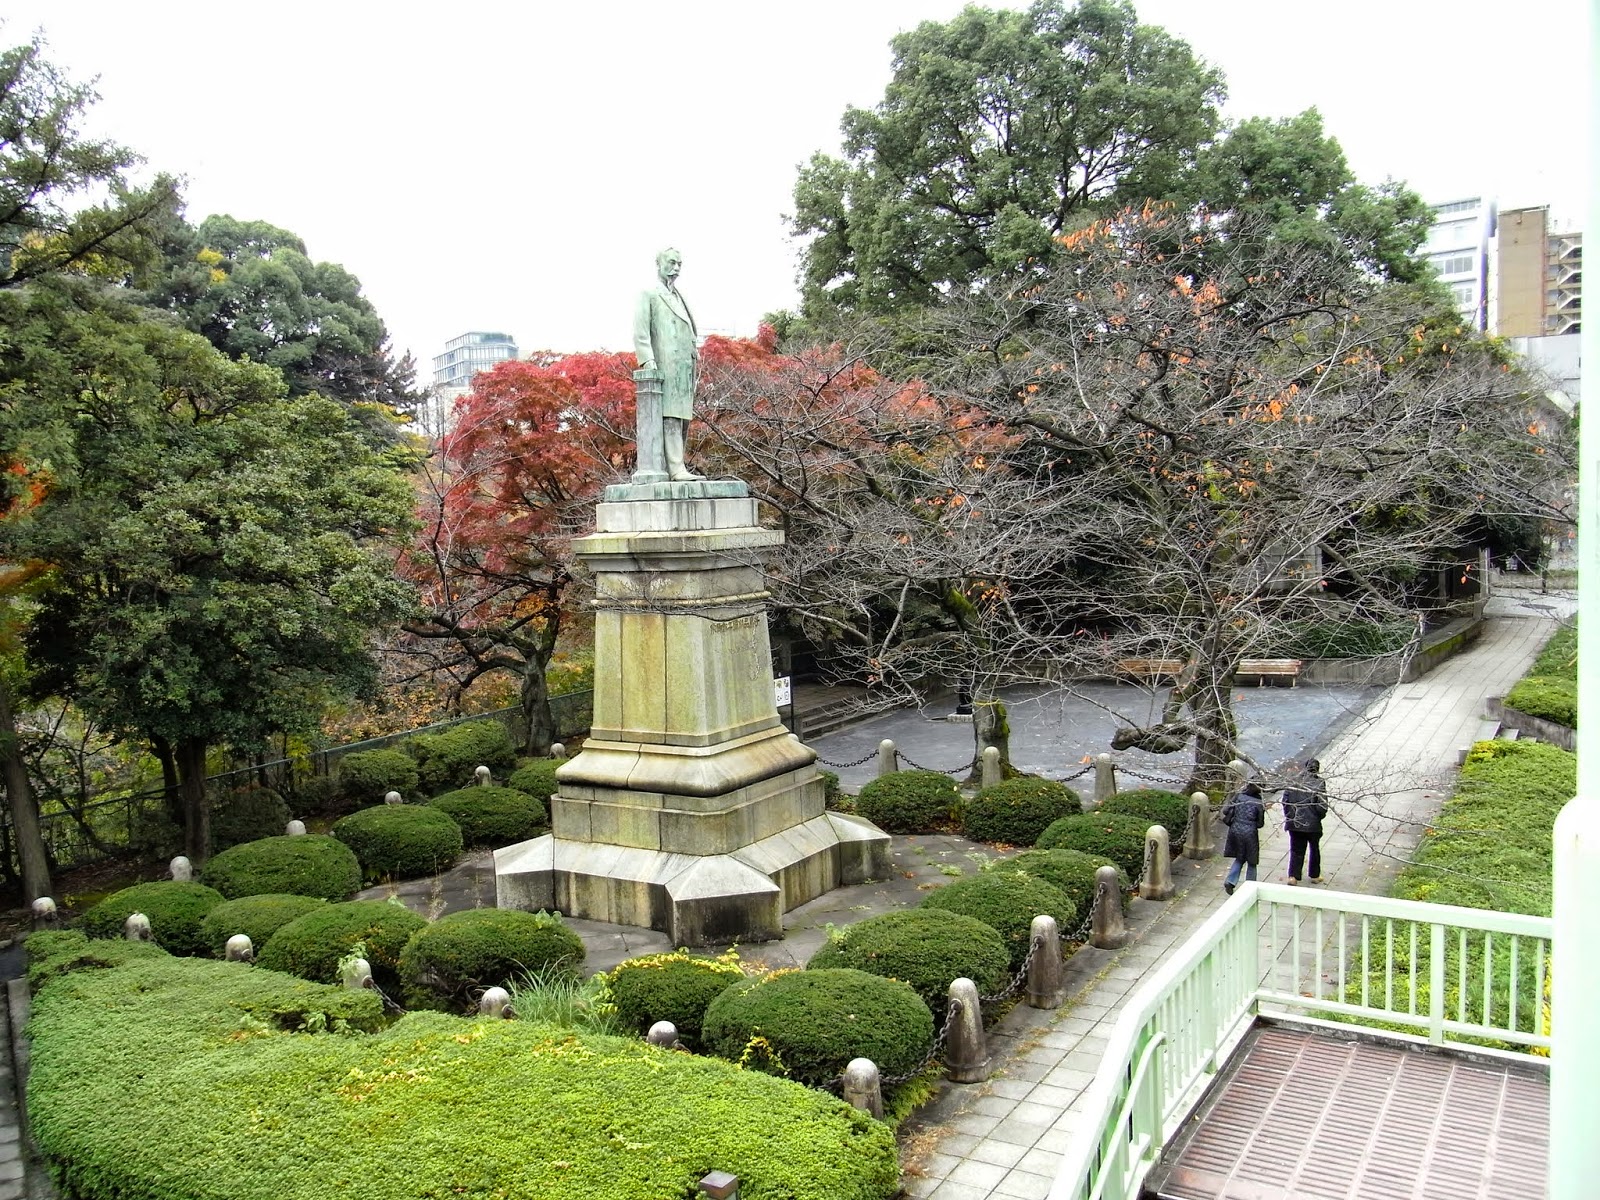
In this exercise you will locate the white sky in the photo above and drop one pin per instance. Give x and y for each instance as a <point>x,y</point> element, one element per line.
<point>515,166</point>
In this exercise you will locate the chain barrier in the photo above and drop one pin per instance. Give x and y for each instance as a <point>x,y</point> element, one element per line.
<point>967,766</point>
<point>1018,979</point>
<point>835,1086</point>
<point>372,984</point>
<point>867,757</point>
<point>1149,776</point>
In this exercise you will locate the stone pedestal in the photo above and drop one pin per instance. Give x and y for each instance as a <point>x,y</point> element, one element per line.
<point>691,809</point>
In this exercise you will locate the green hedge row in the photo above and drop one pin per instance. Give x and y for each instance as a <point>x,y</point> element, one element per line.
<point>434,1106</point>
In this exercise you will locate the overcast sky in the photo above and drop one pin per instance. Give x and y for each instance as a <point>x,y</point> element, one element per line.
<point>515,166</point>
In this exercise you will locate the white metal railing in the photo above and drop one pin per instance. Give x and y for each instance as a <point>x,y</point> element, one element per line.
<point>1457,976</point>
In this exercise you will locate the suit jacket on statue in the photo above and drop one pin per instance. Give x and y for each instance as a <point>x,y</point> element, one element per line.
<point>664,334</point>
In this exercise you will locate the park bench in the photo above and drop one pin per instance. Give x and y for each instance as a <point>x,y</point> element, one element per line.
<point>1151,669</point>
<point>1263,669</point>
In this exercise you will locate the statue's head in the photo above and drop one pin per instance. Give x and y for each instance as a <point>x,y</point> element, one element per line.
<point>668,263</point>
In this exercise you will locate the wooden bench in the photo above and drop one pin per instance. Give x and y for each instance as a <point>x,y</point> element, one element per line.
<point>1151,669</point>
<point>1263,669</point>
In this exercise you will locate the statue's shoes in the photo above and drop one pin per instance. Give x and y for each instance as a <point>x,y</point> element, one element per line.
<point>685,476</point>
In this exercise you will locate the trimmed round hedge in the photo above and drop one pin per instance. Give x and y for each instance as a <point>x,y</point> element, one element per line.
<point>176,911</point>
<point>1111,835</point>
<point>257,917</point>
<point>908,801</point>
<point>449,963</point>
<point>1007,904</point>
<point>1017,811</point>
<point>808,1025</point>
<point>245,814</point>
<point>367,776</point>
<point>308,864</point>
<point>493,816</point>
<point>311,946</point>
<point>313,796</point>
<point>923,947</point>
<point>676,987</point>
<point>536,777</point>
<point>1154,806</point>
<point>1071,871</point>
<point>447,760</point>
<point>401,841</point>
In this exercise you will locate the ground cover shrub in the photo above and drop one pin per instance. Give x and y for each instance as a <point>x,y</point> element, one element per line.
<point>923,947</point>
<point>1153,806</point>
<point>908,801</point>
<point>258,917</point>
<point>311,945</point>
<point>808,1025</point>
<point>448,964</point>
<point>1559,656</point>
<point>401,841</point>
<point>535,777</point>
<point>1007,904</point>
<point>1016,811</point>
<point>56,952</point>
<point>447,760</point>
<point>493,816</point>
<point>245,814</point>
<point>1070,871</point>
<point>1550,697</point>
<point>1116,836</point>
<point>676,987</point>
<point>175,911</point>
<point>434,1106</point>
<point>1339,639</point>
<point>367,776</point>
<point>307,864</point>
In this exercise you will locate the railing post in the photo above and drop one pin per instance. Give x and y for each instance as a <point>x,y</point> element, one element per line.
<point>1435,981</point>
<point>966,1054</point>
<point>662,1033</point>
<point>1238,772</point>
<point>1044,963</point>
<point>1107,930</point>
<point>1105,779</point>
<point>1156,882</point>
<point>991,767</point>
<point>558,751</point>
<point>862,1087</point>
<point>1200,843</point>
<point>888,759</point>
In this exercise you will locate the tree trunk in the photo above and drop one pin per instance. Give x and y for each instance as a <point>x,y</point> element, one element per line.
<point>169,778</point>
<point>990,727</point>
<point>1216,738</point>
<point>191,762</point>
<point>24,809</point>
<point>537,718</point>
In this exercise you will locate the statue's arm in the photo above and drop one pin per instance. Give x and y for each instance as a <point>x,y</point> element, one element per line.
<point>643,347</point>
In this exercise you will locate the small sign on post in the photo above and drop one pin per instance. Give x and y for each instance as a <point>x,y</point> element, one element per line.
<point>781,692</point>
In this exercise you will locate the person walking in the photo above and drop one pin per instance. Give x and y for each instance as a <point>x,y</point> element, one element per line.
<point>1244,816</point>
<point>1304,805</point>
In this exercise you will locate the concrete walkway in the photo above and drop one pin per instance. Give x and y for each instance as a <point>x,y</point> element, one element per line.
<point>1387,772</point>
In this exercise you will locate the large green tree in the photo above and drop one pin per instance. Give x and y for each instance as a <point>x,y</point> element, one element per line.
<point>997,131</point>
<point>218,553</point>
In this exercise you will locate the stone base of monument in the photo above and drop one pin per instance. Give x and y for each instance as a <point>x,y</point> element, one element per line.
<point>691,809</point>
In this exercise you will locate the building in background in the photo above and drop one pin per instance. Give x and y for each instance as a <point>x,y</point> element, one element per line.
<point>1458,247</point>
<point>1539,288</point>
<point>453,370</point>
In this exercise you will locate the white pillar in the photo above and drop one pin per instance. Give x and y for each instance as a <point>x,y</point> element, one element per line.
<point>1575,960</point>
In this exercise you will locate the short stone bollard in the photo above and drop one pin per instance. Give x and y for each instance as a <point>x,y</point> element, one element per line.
<point>136,928</point>
<point>1200,841</point>
<point>239,949</point>
<point>356,974</point>
<point>662,1033</point>
<point>558,750</point>
<point>393,798</point>
<point>991,767</point>
<point>495,1002</point>
<point>294,829</point>
<point>888,758</point>
<point>1156,882</point>
<point>483,776</point>
<point>966,1052</point>
<point>182,870</point>
<point>862,1087</point>
<point>1044,963</point>
<point>45,914</point>
<point>1107,931</point>
<point>1105,779</point>
<point>719,1185</point>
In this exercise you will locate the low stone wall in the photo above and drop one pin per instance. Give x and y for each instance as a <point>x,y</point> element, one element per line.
<point>1443,643</point>
<point>1530,726</point>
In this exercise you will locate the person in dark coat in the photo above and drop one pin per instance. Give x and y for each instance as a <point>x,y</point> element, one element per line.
<point>1244,815</point>
<point>1304,805</point>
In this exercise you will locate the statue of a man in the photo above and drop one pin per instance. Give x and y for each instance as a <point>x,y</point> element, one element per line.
<point>664,339</point>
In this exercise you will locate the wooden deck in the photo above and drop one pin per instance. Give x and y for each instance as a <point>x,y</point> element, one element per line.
<point>1301,1114</point>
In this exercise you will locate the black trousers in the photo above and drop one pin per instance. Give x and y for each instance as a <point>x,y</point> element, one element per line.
<point>1298,844</point>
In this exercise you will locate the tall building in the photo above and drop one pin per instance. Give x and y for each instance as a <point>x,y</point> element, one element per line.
<point>453,370</point>
<point>1539,287</point>
<point>1458,248</point>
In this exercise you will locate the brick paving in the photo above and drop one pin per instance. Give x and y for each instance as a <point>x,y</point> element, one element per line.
<point>1387,772</point>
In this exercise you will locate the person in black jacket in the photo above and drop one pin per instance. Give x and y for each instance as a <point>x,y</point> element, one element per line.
<point>1304,805</point>
<point>1244,815</point>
